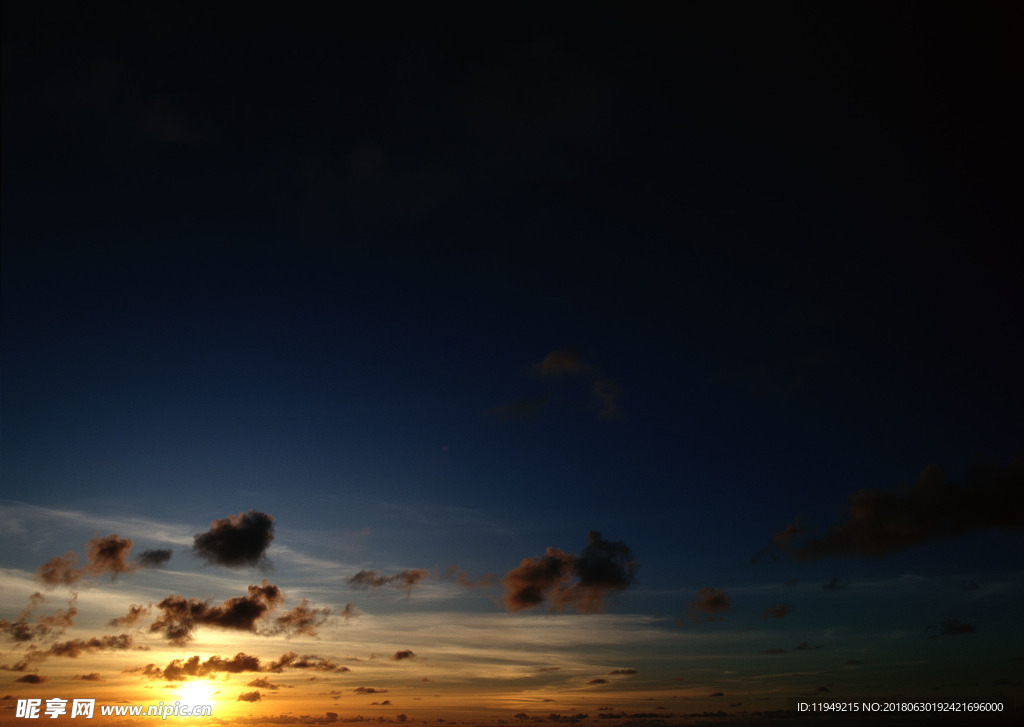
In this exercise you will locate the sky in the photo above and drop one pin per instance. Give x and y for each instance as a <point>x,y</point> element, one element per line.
<point>601,364</point>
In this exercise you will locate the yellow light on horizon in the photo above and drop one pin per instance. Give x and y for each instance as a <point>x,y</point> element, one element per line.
<point>196,692</point>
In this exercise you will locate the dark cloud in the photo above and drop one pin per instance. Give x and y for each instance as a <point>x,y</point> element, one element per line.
<point>292,660</point>
<point>622,671</point>
<point>955,627</point>
<point>598,680</point>
<point>805,646</point>
<point>249,697</point>
<point>462,578</point>
<point>154,558</point>
<point>60,571</point>
<point>182,669</point>
<point>303,619</point>
<point>372,579</point>
<point>836,584</point>
<point>237,540</point>
<point>31,679</point>
<point>107,554</point>
<point>93,676</point>
<point>710,602</point>
<point>884,521</point>
<point>262,683</point>
<point>77,647</point>
<point>403,654</point>
<point>571,582</point>
<point>780,610</point>
<point>135,614</point>
<point>369,690</point>
<point>25,628</point>
<point>179,616</point>
<point>350,611</point>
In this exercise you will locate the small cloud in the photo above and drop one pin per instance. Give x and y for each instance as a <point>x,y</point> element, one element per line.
<point>134,615</point>
<point>836,584</point>
<point>262,683</point>
<point>249,697</point>
<point>180,616</point>
<point>709,604</point>
<point>403,654</point>
<point>31,679</point>
<point>775,651</point>
<point>369,690</point>
<point>598,680</point>
<point>154,558</point>
<point>236,541</point>
<point>623,671</point>
<point>955,627</point>
<point>780,610</point>
<point>93,676</point>
<point>406,579</point>
<point>350,612</point>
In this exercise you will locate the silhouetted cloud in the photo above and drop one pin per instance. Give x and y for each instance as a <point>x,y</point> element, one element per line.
<point>710,602</point>
<point>249,697</point>
<point>237,540</point>
<point>955,627</point>
<point>74,648</point>
<point>136,612</point>
<point>462,578</point>
<point>154,558</point>
<point>598,680</point>
<point>303,619</point>
<point>622,671</point>
<point>263,683</point>
<point>403,654</point>
<point>369,690</point>
<point>406,579</point>
<point>292,660</point>
<point>31,679</point>
<point>780,610</point>
<point>182,669</point>
<point>180,616</point>
<point>884,521</point>
<point>350,611</point>
<point>93,676</point>
<point>45,626</point>
<point>603,567</point>
<point>108,554</point>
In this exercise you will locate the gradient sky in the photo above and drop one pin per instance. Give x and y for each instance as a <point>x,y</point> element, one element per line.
<point>582,364</point>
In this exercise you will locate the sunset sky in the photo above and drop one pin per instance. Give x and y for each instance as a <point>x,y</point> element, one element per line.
<point>576,363</point>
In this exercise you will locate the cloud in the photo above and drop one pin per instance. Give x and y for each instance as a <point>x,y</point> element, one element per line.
<point>369,690</point>
<point>561,362</point>
<point>154,558</point>
<point>598,680</point>
<point>262,683</point>
<point>45,626</point>
<point>107,554</point>
<point>93,676</point>
<point>710,602</point>
<point>134,615</point>
<point>292,660</point>
<point>622,671</point>
<point>557,367</point>
<point>602,568</point>
<point>955,627</point>
<point>180,616</point>
<point>884,521</point>
<point>403,654</point>
<point>303,619</point>
<point>462,578</point>
<point>249,697</point>
<point>780,610</point>
<point>76,647</point>
<point>31,679</point>
<point>350,611</point>
<point>836,584</point>
<point>372,579</point>
<point>180,670</point>
<point>237,540</point>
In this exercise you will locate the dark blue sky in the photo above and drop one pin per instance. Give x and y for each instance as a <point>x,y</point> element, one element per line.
<point>313,265</point>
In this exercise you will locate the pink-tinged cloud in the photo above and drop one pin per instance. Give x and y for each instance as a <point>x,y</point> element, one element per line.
<point>237,540</point>
<point>884,521</point>
<point>581,583</point>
